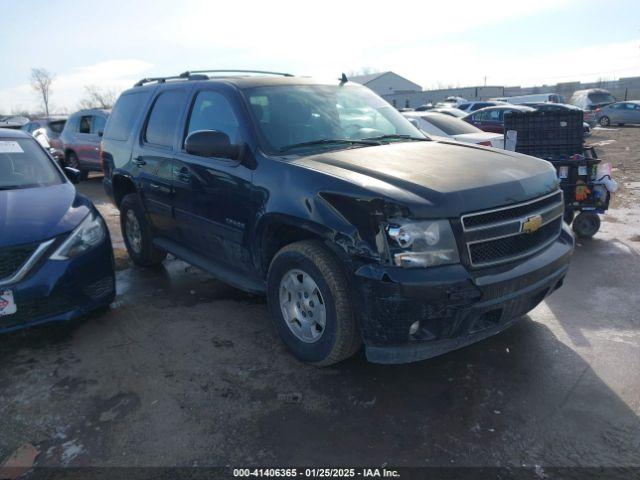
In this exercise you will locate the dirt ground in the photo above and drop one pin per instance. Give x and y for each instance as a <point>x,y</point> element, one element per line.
<point>184,370</point>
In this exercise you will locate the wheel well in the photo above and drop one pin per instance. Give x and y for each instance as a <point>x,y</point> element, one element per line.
<point>122,186</point>
<point>279,236</point>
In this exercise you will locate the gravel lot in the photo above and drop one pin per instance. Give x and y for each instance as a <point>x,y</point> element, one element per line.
<point>184,370</point>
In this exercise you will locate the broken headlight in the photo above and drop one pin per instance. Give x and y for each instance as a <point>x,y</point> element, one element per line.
<point>424,243</point>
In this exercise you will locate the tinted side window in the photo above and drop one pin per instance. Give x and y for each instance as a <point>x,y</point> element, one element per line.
<point>212,111</point>
<point>98,124</point>
<point>85,124</point>
<point>124,114</point>
<point>165,113</point>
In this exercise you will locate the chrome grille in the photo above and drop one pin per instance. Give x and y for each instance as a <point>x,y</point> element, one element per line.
<point>500,235</point>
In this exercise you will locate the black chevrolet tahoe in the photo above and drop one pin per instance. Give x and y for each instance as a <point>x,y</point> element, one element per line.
<point>321,196</point>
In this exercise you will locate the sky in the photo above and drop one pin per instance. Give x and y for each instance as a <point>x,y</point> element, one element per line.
<point>112,44</point>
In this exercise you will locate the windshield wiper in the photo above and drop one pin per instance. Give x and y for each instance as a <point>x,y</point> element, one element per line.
<point>328,141</point>
<point>394,136</point>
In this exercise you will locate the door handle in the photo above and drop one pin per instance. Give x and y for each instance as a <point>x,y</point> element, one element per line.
<point>184,175</point>
<point>139,161</point>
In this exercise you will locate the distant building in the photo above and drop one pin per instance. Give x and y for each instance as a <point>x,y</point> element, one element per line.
<point>403,93</point>
<point>386,83</point>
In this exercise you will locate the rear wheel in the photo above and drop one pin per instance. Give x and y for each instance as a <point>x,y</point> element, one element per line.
<point>311,309</point>
<point>604,121</point>
<point>586,224</point>
<point>137,233</point>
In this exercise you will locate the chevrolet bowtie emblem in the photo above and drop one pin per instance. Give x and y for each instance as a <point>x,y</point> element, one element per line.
<point>532,224</point>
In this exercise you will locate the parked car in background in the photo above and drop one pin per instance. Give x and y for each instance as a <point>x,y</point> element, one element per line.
<point>442,126</point>
<point>452,111</point>
<point>56,259</point>
<point>554,107</point>
<point>473,106</point>
<point>354,233</point>
<point>13,122</point>
<point>49,128</point>
<point>592,98</point>
<point>452,101</point>
<point>534,97</point>
<point>491,119</point>
<point>81,140</point>
<point>424,107</point>
<point>619,113</point>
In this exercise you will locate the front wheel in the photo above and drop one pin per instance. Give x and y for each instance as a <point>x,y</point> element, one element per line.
<point>604,121</point>
<point>586,224</point>
<point>137,233</point>
<point>307,292</point>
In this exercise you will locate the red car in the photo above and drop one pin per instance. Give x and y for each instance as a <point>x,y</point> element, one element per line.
<point>491,119</point>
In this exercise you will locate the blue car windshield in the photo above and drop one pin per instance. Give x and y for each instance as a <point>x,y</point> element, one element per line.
<point>304,118</point>
<point>23,164</point>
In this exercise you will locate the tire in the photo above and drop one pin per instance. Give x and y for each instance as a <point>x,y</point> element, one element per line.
<point>604,121</point>
<point>139,241</point>
<point>586,224</point>
<point>71,160</point>
<point>339,338</point>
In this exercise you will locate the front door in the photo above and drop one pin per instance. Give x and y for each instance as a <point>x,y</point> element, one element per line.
<point>213,201</point>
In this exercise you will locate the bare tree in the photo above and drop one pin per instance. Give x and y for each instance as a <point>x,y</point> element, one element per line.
<point>41,81</point>
<point>96,97</point>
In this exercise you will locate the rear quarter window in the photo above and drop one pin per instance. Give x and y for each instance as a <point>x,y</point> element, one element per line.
<point>124,115</point>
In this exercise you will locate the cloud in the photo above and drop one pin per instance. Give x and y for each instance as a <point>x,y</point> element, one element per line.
<point>68,88</point>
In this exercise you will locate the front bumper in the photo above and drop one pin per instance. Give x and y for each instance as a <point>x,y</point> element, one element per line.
<point>455,306</point>
<point>62,290</point>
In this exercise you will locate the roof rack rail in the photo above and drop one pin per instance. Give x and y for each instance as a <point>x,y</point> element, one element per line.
<point>199,75</point>
<point>263,72</point>
<point>155,79</point>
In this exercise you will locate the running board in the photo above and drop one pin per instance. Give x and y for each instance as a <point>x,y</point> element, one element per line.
<point>222,272</point>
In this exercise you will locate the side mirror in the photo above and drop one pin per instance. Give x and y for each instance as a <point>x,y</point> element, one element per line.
<point>414,122</point>
<point>73,174</point>
<point>211,143</point>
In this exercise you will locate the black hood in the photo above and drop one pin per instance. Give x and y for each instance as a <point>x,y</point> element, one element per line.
<point>440,179</point>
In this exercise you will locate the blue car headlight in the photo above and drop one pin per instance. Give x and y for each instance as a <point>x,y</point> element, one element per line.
<point>424,243</point>
<point>91,232</point>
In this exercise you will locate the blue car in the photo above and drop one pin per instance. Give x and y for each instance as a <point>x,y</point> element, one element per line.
<point>56,259</point>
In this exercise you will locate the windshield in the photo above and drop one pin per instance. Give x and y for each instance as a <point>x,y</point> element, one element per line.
<point>294,118</point>
<point>23,164</point>
<point>450,125</point>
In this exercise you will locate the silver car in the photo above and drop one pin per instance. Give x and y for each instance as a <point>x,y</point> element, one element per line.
<point>619,113</point>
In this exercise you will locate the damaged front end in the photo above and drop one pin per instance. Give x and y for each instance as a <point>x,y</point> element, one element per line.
<point>415,292</point>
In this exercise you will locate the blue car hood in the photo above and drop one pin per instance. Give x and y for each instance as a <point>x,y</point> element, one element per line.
<point>35,214</point>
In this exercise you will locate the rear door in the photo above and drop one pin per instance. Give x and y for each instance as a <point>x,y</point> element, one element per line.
<point>213,204</point>
<point>152,158</point>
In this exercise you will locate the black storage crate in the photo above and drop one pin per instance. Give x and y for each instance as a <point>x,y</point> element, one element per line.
<point>547,133</point>
<point>558,137</point>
